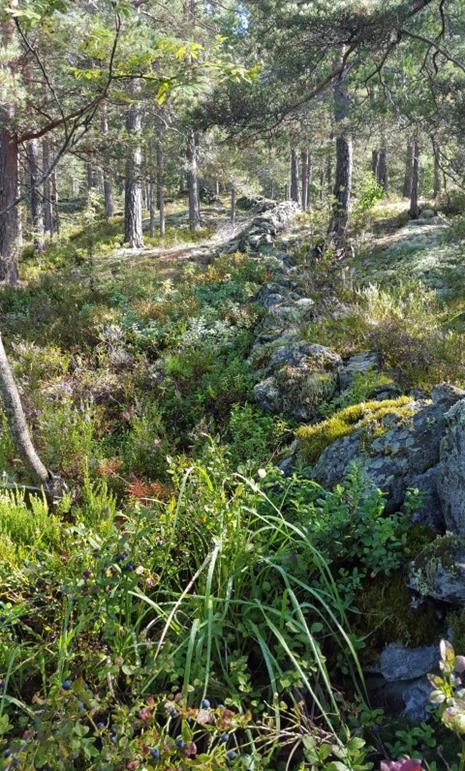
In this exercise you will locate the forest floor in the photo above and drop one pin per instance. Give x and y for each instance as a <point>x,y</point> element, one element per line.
<point>153,619</point>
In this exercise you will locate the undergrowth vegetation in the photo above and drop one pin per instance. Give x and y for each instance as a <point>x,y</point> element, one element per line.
<point>187,605</point>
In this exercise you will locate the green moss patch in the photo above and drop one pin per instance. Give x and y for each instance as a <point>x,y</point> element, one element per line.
<point>386,616</point>
<point>315,439</point>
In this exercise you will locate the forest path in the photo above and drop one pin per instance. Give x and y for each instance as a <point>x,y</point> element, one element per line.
<point>215,218</point>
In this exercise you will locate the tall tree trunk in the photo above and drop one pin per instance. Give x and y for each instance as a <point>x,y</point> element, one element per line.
<point>407,187</point>
<point>329,171</point>
<point>133,235</point>
<point>47,188</point>
<point>375,163</point>
<point>309,180</point>
<point>151,208</point>
<point>233,203</point>
<point>414,209</point>
<point>55,209</point>
<point>17,422</point>
<point>161,185</point>
<point>35,202</point>
<point>343,178</point>
<point>437,171</point>
<point>294,176</point>
<point>9,221</point>
<point>107,182</point>
<point>322,183</point>
<point>383,169</point>
<point>304,174</point>
<point>193,182</point>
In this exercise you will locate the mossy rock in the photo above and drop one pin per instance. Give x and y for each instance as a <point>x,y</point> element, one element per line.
<point>439,570</point>
<point>386,615</point>
<point>368,416</point>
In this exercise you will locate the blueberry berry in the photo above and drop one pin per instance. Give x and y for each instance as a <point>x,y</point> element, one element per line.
<point>180,744</point>
<point>121,557</point>
<point>155,753</point>
<point>224,738</point>
<point>205,704</point>
<point>67,685</point>
<point>100,725</point>
<point>231,755</point>
<point>174,712</point>
<point>129,566</point>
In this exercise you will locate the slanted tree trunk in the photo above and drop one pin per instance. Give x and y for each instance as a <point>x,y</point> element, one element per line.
<point>107,181</point>
<point>294,176</point>
<point>193,181</point>
<point>161,185</point>
<point>17,422</point>
<point>47,188</point>
<point>337,230</point>
<point>407,187</point>
<point>133,235</point>
<point>35,202</point>
<point>304,174</point>
<point>414,208</point>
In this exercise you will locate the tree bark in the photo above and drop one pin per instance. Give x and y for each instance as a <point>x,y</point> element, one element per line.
<point>414,209</point>
<point>107,181</point>
<point>309,180</point>
<point>337,230</point>
<point>151,208</point>
<point>35,202</point>
<point>55,209</point>
<point>375,163</point>
<point>383,169</point>
<point>17,422</point>
<point>407,187</point>
<point>47,188</point>
<point>161,186</point>
<point>133,235</point>
<point>193,182</point>
<point>304,173</point>
<point>437,171</point>
<point>233,204</point>
<point>9,221</point>
<point>294,176</point>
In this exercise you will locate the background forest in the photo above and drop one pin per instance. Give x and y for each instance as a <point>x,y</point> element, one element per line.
<point>232,435</point>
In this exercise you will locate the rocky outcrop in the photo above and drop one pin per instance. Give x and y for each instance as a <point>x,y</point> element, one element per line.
<point>439,570</point>
<point>299,376</point>
<point>360,364</point>
<point>401,454</point>
<point>262,232</point>
<point>399,682</point>
<point>451,472</point>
